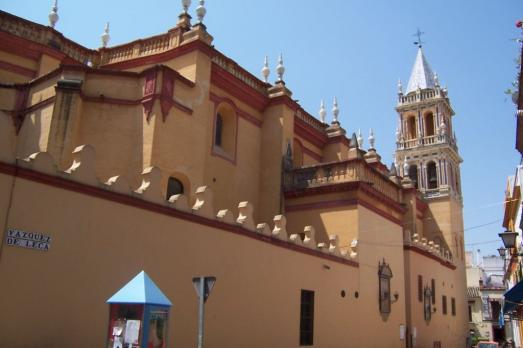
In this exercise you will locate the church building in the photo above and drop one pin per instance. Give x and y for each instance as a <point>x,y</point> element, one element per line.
<point>165,156</point>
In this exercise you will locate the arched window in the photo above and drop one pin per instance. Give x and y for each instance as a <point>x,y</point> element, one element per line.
<point>432,175</point>
<point>429,124</point>
<point>411,126</point>
<point>174,187</point>
<point>384,275</point>
<point>413,174</point>
<point>218,130</point>
<point>225,124</point>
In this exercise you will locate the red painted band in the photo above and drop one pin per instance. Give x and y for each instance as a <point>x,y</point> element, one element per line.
<point>312,135</point>
<point>429,255</point>
<point>343,203</point>
<point>163,56</point>
<point>17,69</point>
<point>237,88</point>
<point>347,186</point>
<point>246,116</point>
<point>65,184</point>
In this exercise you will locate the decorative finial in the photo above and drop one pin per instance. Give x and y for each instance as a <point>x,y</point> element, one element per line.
<point>53,15</point>
<point>360,139</point>
<point>405,167</point>
<point>400,87</point>
<point>186,4</point>
<point>418,34</point>
<point>265,70</point>
<point>335,111</point>
<point>201,11</point>
<point>105,36</point>
<point>436,79</point>
<point>371,139</point>
<point>322,111</point>
<point>280,69</point>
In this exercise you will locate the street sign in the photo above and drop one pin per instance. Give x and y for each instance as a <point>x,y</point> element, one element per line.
<point>208,284</point>
<point>203,286</point>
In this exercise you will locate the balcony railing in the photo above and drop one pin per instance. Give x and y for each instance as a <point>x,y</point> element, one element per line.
<point>340,172</point>
<point>46,36</point>
<point>425,141</point>
<point>421,95</point>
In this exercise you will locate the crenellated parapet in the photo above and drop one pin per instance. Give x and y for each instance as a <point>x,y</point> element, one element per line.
<point>82,172</point>
<point>429,248</point>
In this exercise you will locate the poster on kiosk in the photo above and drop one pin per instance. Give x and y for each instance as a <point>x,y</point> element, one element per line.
<point>138,315</point>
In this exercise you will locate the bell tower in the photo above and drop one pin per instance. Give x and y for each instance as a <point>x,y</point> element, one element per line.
<point>427,152</point>
<point>426,143</point>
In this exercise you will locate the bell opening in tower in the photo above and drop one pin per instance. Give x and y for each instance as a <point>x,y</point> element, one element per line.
<point>432,175</point>
<point>413,175</point>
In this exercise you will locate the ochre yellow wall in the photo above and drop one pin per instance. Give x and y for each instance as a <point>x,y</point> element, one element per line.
<point>380,240</point>
<point>47,64</point>
<point>106,244</point>
<point>450,330</point>
<point>34,133</point>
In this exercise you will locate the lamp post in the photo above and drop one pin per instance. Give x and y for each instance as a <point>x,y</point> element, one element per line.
<point>509,239</point>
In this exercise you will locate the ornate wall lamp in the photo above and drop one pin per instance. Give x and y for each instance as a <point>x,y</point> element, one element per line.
<point>509,241</point>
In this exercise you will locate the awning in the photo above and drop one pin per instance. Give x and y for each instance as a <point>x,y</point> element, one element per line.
<point>513,297</point>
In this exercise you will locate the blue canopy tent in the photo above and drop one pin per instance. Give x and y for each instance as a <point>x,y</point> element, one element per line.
<point>513,298</point>
<point>138,315</point>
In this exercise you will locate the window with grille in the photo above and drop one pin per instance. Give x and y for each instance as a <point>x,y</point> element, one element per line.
<point>420,288</point>
<point>307,318</point>
<point>433,289</point>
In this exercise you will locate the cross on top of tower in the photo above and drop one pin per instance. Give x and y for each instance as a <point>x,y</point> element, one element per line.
<point>418,35</point>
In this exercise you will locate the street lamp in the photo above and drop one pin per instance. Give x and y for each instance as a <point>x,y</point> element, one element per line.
<point>502,252</point>
<point>509,239</point>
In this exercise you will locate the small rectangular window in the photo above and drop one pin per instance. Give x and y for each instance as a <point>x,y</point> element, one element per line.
<point>470,313</point>
<point>433,289</point>
<point>453,305</point>
<point>420,288</point>
<point>307,318</point>
<point>444,304</point>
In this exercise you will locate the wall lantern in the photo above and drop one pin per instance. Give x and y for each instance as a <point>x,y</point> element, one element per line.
<point>502,252</point>
<point>509,239</point>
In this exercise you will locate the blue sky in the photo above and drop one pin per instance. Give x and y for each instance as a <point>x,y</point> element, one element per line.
<point>356,50</point>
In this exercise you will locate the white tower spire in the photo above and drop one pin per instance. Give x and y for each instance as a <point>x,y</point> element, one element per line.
<point>201,11</point>
<point>53,15</point>
<point>265,70</point>
<point>335,111</point>
<point>372,140</point>
<point>421,76</point>
<point>105,36</point>
<point>186,4</point>
<point>280,68</point>
<point>360,139</point>
<point>322,111</point>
